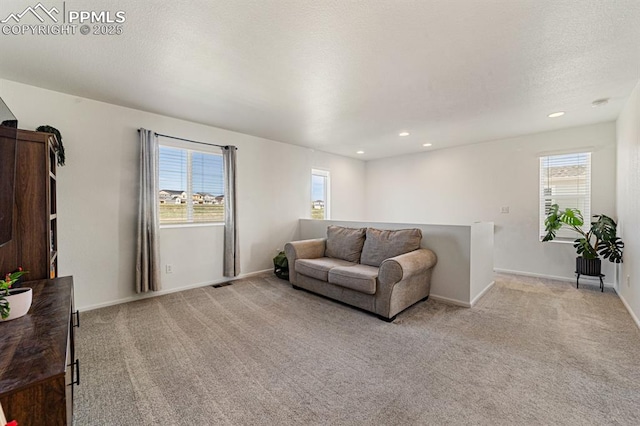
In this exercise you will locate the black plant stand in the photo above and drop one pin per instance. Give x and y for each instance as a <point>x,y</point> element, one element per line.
<point>601,276</point>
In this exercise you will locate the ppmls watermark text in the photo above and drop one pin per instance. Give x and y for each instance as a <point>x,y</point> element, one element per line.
<point>43,20</point>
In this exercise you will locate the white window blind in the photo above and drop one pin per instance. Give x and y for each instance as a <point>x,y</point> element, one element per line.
<point>319,194</point>
<point>565,180</point>
<point>191,186</point>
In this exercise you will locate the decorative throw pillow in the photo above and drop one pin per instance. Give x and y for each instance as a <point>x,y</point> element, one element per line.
<point>345,243</point>
<point>381,244</point>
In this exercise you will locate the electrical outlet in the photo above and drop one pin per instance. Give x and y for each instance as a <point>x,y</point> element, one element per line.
<point>168,268</point>
<point>628,281</point>
<point>504,209</point>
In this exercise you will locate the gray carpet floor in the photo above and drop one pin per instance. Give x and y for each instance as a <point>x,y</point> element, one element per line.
<point>258,352</point>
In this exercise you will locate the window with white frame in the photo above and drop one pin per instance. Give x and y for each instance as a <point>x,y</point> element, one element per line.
<point>565,179</point>
<point>191,186</point>
<point>320,194</point>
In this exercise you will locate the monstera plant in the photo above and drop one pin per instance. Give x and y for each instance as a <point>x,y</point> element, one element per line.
<point>599,241</point>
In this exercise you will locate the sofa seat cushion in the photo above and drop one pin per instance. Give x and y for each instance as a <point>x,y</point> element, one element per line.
<point>345,243</point>
<point>360,278</point>
<point>382,244</point>
<point>319,268</point>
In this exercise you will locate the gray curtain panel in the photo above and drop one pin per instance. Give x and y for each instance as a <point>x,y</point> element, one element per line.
<point>148,249</point>
<point>231,241</point>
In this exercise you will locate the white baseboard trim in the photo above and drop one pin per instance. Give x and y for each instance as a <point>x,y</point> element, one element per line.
<point>449,301</point>
<point>551,277</point>
<point>250,274</point>
<point>626,305</point>
<point>168,291</point>
<point>482,293</point>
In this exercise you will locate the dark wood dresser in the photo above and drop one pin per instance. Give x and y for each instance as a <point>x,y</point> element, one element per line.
<point>38,365</point>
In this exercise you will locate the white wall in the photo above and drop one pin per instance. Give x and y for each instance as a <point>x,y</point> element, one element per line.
<point>482,260</point>
<point>97,194</point>
<point>471,183</point>
<point>628,201</point>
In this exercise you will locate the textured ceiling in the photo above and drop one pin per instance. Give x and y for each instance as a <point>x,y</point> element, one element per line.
<point>342,76</point>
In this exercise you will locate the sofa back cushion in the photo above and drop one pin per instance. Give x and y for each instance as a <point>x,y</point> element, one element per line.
<point>345,243</point>
<point>382,244</point>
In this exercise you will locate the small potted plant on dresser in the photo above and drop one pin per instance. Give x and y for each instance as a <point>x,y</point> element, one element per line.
<point>14,302</point>
<point>600,241</point>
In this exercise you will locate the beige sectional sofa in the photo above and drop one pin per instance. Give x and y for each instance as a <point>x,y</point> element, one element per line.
<point>380,271</point>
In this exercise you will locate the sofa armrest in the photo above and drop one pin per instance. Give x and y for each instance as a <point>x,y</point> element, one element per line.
<point>395,269</point>
<point>305,249</point>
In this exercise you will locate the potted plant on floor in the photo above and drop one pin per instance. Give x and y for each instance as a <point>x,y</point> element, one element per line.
<point>281,266</point>
<point>600,241</point>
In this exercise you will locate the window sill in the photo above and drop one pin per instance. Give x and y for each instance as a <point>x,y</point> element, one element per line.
<point>191,225</point>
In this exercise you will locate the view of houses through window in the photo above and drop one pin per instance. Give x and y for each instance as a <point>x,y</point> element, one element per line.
<point>319,194</point>
<point>191,186</point>
<point>565,180</point>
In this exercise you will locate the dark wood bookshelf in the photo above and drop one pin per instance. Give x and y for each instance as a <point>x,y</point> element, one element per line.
<point>35,220</point>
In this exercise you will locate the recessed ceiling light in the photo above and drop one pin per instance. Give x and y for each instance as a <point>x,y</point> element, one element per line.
<point>360,152</point>
<point>426,144</point>
<point>556,114</point>
<point>403,134</point>
<point>600,102</point>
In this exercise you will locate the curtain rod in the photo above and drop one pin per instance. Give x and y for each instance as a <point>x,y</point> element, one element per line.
<point>189,140</point>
